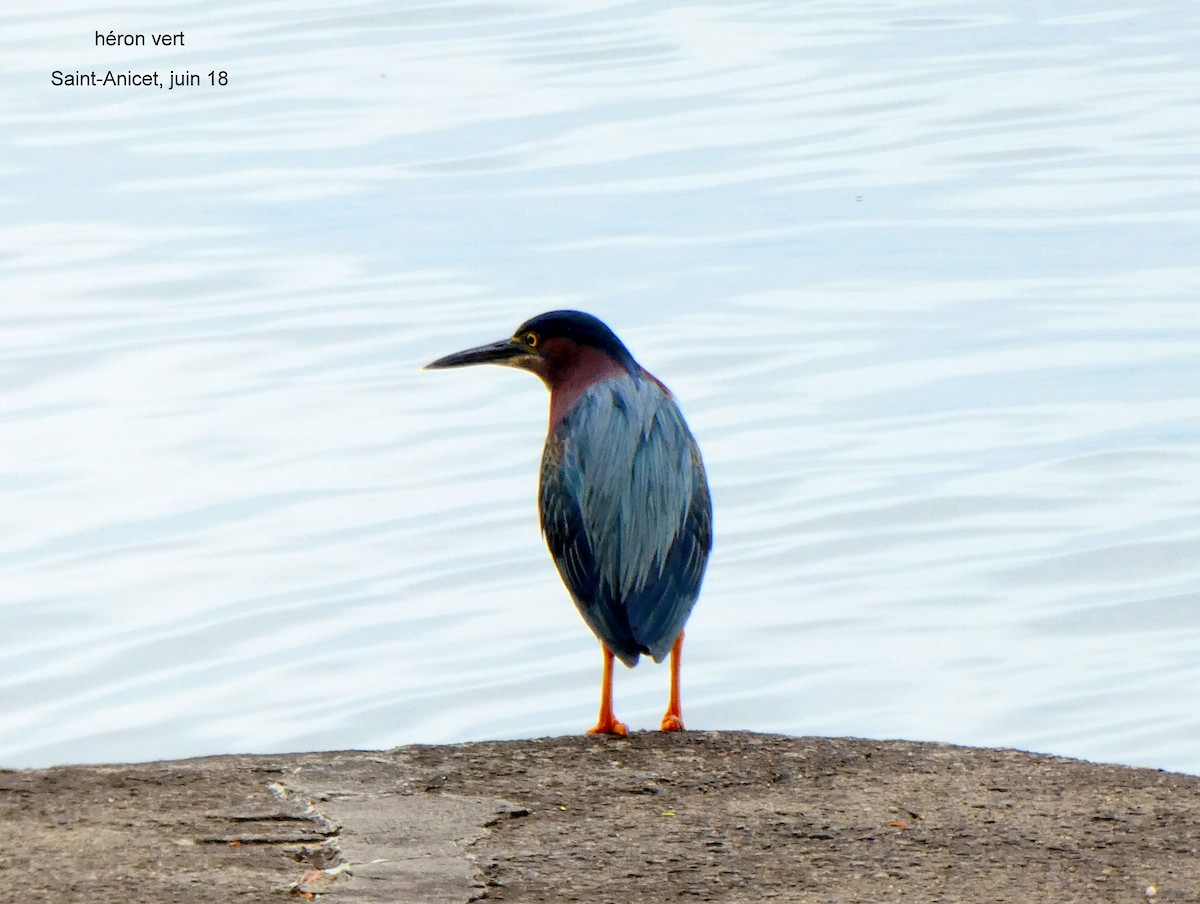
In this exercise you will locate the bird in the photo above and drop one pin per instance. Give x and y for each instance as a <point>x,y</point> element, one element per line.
<point>623,495</point>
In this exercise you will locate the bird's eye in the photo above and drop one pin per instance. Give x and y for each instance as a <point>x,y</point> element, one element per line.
<point>531,339</point>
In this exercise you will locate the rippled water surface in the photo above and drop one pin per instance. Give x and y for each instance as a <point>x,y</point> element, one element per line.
<point>923,275</point>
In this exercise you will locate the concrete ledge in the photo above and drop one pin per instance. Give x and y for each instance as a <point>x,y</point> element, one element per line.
<point>704,816</point>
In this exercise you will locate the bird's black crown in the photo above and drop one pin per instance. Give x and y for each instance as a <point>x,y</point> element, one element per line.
<point>582,328</point>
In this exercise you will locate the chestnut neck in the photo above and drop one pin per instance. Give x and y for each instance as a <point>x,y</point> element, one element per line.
<point>570,368</point>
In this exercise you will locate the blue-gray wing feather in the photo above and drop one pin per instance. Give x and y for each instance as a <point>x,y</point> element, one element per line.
<point>626,512</point>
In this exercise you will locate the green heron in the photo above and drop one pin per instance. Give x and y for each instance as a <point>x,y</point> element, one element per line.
<point>623,497</point>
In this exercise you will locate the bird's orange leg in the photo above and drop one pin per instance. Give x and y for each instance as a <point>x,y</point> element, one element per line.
<point>672,720</point>
<point>607,723</point>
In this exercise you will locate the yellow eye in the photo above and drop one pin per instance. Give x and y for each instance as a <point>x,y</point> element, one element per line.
<point>531,339</point>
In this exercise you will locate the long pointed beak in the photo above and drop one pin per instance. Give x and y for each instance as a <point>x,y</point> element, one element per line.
<point>506,351</point>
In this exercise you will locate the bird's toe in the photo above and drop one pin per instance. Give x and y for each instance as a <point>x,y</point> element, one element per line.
<point>671,722</point>
<point>610,727</point>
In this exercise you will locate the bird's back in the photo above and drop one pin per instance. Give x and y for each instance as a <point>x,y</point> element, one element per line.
<point>626,513</point>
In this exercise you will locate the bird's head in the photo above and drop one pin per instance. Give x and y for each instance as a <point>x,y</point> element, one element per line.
<point>558,346</point>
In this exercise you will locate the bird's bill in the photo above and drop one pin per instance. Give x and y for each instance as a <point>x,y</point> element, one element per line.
<point>506,351</point>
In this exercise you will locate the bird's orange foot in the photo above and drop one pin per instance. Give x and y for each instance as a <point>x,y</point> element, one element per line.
<point>671,722</point>
<point>610,726</point>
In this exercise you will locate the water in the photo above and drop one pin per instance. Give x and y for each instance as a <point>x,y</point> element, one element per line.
<point>923,277</point>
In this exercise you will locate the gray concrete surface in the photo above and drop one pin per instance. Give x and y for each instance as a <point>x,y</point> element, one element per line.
<point>701,816</point>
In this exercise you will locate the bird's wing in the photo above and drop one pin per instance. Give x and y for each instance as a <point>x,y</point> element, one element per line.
<point>626,513</point>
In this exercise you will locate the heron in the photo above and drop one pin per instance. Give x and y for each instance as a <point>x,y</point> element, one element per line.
<point>623,496</point>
